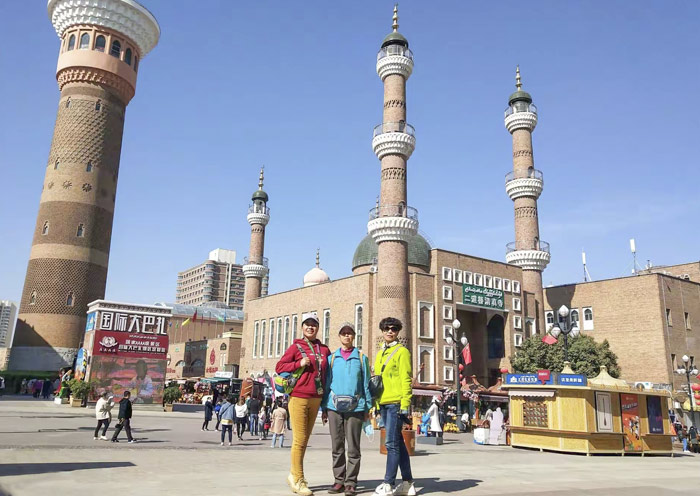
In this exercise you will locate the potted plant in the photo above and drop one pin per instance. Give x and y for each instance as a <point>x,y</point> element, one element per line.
<point>171,395</point>
<point>79,391</point>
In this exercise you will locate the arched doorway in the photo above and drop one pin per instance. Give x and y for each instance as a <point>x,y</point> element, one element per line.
<point>494,334</point>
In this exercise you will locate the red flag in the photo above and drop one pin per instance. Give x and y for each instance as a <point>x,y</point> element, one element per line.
<point>194,317</point>
<point>549,339</point>
<point>467,354</point>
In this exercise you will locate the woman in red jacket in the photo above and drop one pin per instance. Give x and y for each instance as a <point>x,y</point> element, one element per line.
<point>306,398</point>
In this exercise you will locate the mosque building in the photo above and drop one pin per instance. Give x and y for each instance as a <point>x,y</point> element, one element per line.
<point>439,295</point>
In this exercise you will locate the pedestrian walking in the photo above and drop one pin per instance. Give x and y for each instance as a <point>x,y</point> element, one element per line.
<point>46,389</point>
<point>311,355</point>
<point>241,416</point>
<point>217,410</point>
<point>279,419</point>
<point>124,418</point>
<point>103,413</point>
<point>254,416</point>
<point>226,414</point>
<point>208,414</point>
<point>265,423</point>
<point>23,386</point>
<point>393,364</point>
<point>693,438</point>
<point>683,436</point>
<point>345,407</point>
<point>38,384</point>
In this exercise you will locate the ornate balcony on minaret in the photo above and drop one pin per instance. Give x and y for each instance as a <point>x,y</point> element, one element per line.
<point>258,213</point>
<point>392,223</point>
<point>394,59</point>
<point>393,138</point>
<point>524,183</point>
<point>253,267</point>
<point>528,255</point>
<point>521,112</point>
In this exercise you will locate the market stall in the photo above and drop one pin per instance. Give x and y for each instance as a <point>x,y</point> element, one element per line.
<point>569,413</point>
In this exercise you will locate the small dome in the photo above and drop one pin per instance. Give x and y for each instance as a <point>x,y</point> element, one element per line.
<point>394,38</point>
<point>418,252</point>
<point>519,96</point>
<point>260,195</point>
<point>316,276</point>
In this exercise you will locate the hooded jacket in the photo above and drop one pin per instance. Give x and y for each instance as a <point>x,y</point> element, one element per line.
<point>291,360</point>
<point>124,409</point>
<point>397,375</point>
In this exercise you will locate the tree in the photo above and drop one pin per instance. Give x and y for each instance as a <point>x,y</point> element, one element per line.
<point>586,356</point>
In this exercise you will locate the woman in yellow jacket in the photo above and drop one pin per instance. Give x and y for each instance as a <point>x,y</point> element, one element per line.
<point>393,363</point>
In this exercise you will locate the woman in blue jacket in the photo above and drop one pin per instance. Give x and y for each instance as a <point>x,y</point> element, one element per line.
<point>345,405</point>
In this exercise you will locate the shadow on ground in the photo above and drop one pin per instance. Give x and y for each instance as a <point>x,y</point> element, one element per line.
<point>425,485</point>
<point>45,468</point>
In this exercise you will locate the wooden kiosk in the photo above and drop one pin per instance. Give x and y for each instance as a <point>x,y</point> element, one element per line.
<point>569,413</point>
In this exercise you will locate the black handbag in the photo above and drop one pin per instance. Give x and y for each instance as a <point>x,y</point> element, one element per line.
<point>376,383</point>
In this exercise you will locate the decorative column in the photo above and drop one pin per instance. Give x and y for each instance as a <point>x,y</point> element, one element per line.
<point>524,186</point>
<point>393,222</point>
<point>101,47</point>
<point>256,267</point>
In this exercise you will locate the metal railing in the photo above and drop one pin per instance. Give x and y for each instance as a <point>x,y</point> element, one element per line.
<point>393,127</point>
<point>520,107</point>
<point>393,211</point>
<point>524,174</point>
<point>257,209</point>
<point>538,245</point>
<point>394,50</point>
<point>255,261</point>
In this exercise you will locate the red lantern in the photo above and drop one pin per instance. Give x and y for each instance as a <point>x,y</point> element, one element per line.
<point>697,396</point>
<point>695,387</point>
<point>461,367</point>
<point>504,370</point>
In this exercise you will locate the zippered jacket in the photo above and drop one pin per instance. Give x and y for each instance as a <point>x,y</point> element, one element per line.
<point>397,376</point>
<point>348,378</point>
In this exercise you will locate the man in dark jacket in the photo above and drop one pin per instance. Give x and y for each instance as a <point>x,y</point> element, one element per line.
<point>124,419</point>
<point>253,416</point>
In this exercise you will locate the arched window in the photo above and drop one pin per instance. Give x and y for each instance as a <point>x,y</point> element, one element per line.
<point>326,327</point>
<point>588,314</point>
<point>98,104</point>
<point>181,363</point>
<point>261,350</point>
<point>84,41</point>
<point>116,50</point>
<point>69,299</point>
<point>358,326</point>
<point>286,333</point>
<point>127,56</point>
<point>494,333</point>
<point>550,317</point>
<point>295,322</point>
<point>574,317</point>
<point>198,363</point>
<point>32,298</point>
<point>88,168</point>
<point>278,338</point>
<point>81,231</point>
<point>100,43</point>
<point>56,164</point>
<point>45,229</point>
<point>136,62</point>
<point>271,338</point>
<point>71,42</point>
<point>223,347</point>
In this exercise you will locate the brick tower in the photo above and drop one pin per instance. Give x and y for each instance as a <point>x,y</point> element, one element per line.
<point>393,222</point>
<point>101,47</point>
<point>256,268</point>
<point>524,186</point>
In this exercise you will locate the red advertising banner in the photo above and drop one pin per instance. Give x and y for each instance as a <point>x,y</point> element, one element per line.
<point>630,421</point>
<point>143,377</point>
<point>128,345</point>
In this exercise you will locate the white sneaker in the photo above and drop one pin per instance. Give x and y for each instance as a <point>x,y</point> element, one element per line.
<point>94,438</point>
<point>405,489</point>
<point>228,444</point>
<point>104,438</point>
<point>223,444</point>
<point>384,489</point>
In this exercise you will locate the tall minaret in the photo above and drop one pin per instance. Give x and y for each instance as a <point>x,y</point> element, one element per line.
<point>101,47</point>
<point>392,223</point>
<point>524,186</point>
<point>255,268</point>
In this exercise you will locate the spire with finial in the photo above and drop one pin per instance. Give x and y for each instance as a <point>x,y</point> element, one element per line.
<point>395,19</point>
<point>518,82</point>
<point>262,177</point>
<point>318,257</point>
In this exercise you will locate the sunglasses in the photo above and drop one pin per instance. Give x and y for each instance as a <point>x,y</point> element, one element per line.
<point>390,329</point>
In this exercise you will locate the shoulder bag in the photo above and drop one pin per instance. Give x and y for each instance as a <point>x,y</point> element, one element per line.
<point>376,383</point>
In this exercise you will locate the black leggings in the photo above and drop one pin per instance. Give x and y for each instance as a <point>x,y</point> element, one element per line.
<point>205,425</point>
<point>240,427</point>
<point>104,423</point>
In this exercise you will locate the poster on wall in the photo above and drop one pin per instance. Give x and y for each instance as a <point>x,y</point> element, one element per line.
<point>81,364</point>
<point>603,408</point>
<point>630,421</point>
<point>143,377</point>
<point>656,419</point>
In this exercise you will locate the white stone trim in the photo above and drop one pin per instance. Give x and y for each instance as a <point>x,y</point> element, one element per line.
<point>124,16</point>
<point>525,186</point>
<point>529,259</point>
<point>521,120</point>
<point>393,144</point>
<point>254,270</point>
<point>392,228</point>
<point>258,218</point>
<point>394,64</point>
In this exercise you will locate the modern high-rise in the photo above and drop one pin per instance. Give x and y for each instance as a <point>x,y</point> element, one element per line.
<point>102,45</point>
<point>218,278</point>
<point>8,314</point>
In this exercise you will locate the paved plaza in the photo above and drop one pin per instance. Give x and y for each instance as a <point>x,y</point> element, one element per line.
<point>46,449</point>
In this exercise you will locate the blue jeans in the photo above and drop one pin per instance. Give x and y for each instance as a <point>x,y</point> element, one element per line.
<point>253,423</point>
<point>397,454</point>
<point>685,444</point>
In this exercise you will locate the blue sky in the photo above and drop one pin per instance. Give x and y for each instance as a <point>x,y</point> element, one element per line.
<point>292,85</point>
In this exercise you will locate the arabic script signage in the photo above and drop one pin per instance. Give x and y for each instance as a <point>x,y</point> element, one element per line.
<point>480,296</point>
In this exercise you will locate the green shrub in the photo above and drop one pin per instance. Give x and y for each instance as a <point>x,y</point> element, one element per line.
<point>172,394</point>
<point>80,389</point>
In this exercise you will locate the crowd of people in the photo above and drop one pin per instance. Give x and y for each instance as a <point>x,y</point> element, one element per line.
<point>689,437</point>
<point>39,388</point>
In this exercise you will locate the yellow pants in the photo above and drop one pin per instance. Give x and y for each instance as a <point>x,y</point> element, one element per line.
<point>302,413</point>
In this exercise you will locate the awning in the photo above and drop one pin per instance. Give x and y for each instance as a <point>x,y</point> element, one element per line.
<point>426,392</point>
<point>540,393</point>
<point>497,398</point>
<point>216,379</point>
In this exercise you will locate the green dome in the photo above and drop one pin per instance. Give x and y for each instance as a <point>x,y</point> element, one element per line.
<point>260,195</point>
<point>394,38</point>
<point>519,96</point>
<point>418,252</point>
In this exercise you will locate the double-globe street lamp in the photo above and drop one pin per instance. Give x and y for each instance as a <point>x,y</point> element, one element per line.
<point>563,326</point>
<point>458,346</point>
<point>688,368</point>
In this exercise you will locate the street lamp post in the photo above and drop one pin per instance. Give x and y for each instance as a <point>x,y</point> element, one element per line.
<point>451,340</point>
<point>688,368</point>
<point>564,327</point>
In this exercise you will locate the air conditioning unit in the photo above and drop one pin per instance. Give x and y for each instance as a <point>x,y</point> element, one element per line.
<point>644,385</point>
<point>373,269</point>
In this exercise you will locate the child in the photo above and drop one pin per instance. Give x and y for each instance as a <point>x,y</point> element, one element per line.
<point>279,419</point>
<point>265,422</point>
<point>217,409</point>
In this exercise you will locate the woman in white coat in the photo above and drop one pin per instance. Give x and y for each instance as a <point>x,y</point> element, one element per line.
<point>434,412</point>
<point>103,413</point>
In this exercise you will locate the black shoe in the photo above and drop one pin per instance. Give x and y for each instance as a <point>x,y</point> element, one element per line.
<point>350,491</point>
<point>336,488</point>
<point>114,441</point>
